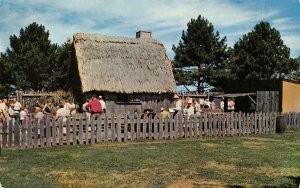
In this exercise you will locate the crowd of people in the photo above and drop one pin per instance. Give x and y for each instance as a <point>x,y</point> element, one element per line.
<point>190,106</point>
<point>12,110</point>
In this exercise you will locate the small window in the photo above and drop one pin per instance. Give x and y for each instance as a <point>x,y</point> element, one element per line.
<point>122,98</point>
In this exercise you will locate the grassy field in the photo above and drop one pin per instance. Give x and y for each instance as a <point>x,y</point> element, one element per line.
<point>252,161</point>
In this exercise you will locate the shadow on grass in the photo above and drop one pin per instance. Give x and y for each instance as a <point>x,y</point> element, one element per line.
<point>234,186</point>
<point>295,182</point>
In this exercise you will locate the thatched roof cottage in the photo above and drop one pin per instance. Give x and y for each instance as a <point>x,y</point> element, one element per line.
<point>131,73</point>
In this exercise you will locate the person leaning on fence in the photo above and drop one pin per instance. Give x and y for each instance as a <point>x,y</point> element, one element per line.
<point>163,113</point>
<point>39,115</point>
<point>17,109</point>
<point>103,105</point>
<point>178,104</point>
<point>62,112</point>
<point>47,108</point>
<point>189,109</point>
<point>85,109</point>
<point>96,108</point>
<point>70,106</point>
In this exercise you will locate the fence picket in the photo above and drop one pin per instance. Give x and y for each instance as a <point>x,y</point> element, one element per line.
<point>87,129</point>
<point>119,129</point>
<point>125,128</point>
<point>10,133</point>
<point>106,128</point>
<point>175,133</point>
<point>171,126</point>
<point>54,143</point>
<point>113,129</point>
<point>92,133</point>
<point>144,126</point>
<point>48,133</point>
<point>161,128</point>
<point>16,132</point>
<point>215,124</point>
<point>61,131</point>
<point>156,126</point>
<point>190,127</point>
<point>200,126</point>
<point>74,130</point>
<point>23,138</point>
<point>181,121</point>
<point>80,135</point>
<point>138,127</point>
<point>132,127</point>
<point>68,130</point>
<point>207,123</point>
<point>165,130</point>
<point>185,126</point>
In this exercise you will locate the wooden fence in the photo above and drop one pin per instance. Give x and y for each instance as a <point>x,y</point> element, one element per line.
<point>80,130</point>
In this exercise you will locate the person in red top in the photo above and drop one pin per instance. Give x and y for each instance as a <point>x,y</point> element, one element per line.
<point>95,105</point>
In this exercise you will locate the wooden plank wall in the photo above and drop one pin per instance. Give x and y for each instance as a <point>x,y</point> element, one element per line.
<point>267,101</point>
<point>79,130</point>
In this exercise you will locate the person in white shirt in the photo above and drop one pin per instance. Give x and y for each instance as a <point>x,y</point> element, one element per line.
<point>189,109</point>
<point>62,112</point>
<point>16,106</point>
<point>69,107</point>
<point>102,102</point>
<point>178,103</point>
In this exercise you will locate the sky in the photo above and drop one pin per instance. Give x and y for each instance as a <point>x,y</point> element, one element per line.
<point>166,19</point>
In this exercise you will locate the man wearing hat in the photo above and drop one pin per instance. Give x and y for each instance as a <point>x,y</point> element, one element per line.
<point>163,113</point>
<point>102,102</point>
<point>189,109</point>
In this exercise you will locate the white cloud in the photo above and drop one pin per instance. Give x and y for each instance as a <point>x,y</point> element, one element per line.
<point>120,17</point>
<point>292,41</point>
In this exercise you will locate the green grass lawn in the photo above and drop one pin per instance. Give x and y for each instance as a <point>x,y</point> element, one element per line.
<point>270,160</point>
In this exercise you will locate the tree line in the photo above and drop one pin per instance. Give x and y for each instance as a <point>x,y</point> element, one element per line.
<point>202,59</point>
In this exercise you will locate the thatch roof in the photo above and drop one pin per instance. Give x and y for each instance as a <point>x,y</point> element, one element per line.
<point>123,65</point>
